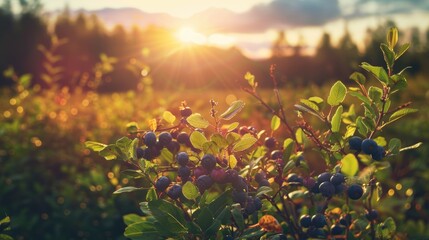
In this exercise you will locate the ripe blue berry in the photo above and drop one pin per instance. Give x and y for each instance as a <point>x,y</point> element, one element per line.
<point>140,153</point>
<point>371,215</point>
<point>337,179</point>
<point>250,206</point>
<point>318,220</point>
<point>369,146</point>
<point>240,184</point>
<point>199,171</point>
<point>293,178</point>
<point>165,138</point>
<point>337,229</point>
<point>324,177</point>
<point>305,221</point>
<point>258,203</point>
<point>182,158</point>
<point>185,111</point>
<point>173,147</point>
<point>355,191</point>
<point>208,162</point>
<point>150,139</point>
<point>204,182</point>
<point>218,174</point>
<point>264,182</point>
<point>276,154</point>
<point>184,173</point>
<point>259,177</point>
<point>175,191</point>
<point>378,154</point>
<point>162,183</point>
<point>340,188</point>
<point>346,220</point>
<point>355,143</point>
<point>327,189</point>
<point>270,142</point>
<point>231,175</point>
<point>239,196</point>
<point>183,138</point>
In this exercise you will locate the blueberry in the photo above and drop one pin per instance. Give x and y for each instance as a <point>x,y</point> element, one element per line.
<point>318,220</point>
<point>258,203</point>
<point>204,182</point>
<point>183,138</point>
<point>276,154</point>
<point>369,146</point>
<point>185,111</point>
<point>371,215</point>
<point>231,175</point>
<point>240,184</point>
<point>309,182</point>
<point>340,188</point>
<point>208,162</point>
<point>355,191</point>
<point>337,179</point>
<point>150,139</point>
<point>239,196</point>
<point>218,174</point>
<point>140,153</point>
<point>324,177</point>
<point>264,182</point>
<point>355,143</point>
<point>293,178</point>
<point>162,183</point>
<point>327,189</point>
<point>259,177</point>
<point>175,191</point>
<point>337,229</point>
<point>184,173</point>
<point>378,154</point>
<point>173,147</point>
<point>199,171</point>
<point>165,138</point>
<point>250,206</point>
<point>305,221</point>
<point>270,142</point>
<point>243,130</point>
<point>346,220</point>
<point>182,158</point>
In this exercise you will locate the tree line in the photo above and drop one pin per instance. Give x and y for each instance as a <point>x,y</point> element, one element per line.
<point>78,49</point>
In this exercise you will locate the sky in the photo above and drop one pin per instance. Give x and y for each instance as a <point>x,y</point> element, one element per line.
<point>253,25</point>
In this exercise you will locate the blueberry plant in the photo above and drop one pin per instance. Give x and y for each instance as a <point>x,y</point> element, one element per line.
<point>217,179</point>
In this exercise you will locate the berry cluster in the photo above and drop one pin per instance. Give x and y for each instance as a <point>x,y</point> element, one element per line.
<point>367,146</point>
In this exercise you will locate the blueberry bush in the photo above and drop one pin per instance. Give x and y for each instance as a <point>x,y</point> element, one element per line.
<point>213,178</point>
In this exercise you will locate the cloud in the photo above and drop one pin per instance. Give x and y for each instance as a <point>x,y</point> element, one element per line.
<point>276,14</point>
<point>365,8</point>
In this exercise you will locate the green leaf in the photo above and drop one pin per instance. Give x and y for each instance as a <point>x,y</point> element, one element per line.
<point>142,231</point>
<point>310,104</point>
<point>392,37</point>
<point>250,79</point>
<point>190,191</point>
<point>132,127</point>
<point>110,152</point>
<point>349,165</point>
<point>210,147</point>
<point>237,215</point>
<point>362,128</point>
<point>95,146</point>
<point>336,119</point>
<point>402,49</point>
<point>264,190</point>
<point>167,155</point>
<point>151,195</point>
<point>169,216</point>
<point>197,139</point>
<point>307,110</point>
<point>401,113</point>
<point>126,190</point>
<point>231,127</point>
<point>375,94</point>
<point>204,218</point>
<point>297,195</point>
<point>275,123</point>
<point>337,94</point>
<point>378,72</point>
<point>244,143</point>
<point>197,121</point>
<point>220,141</point>
<point>381,141</point>
<point>132,218</point>
<point>168,117</point>
<point>232,161</point>
<point>288,145</point>
<point>25,80</point>
<point>299,136</point>
<point>386,229</point>
<point>389,56</point>
<point>361,97</point>
<point>358,77</point>
<point>394,146</point>
<point>5,237</point>
<point>233,109</point>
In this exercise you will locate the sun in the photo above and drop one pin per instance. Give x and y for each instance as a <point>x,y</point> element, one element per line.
<point>188,35</point>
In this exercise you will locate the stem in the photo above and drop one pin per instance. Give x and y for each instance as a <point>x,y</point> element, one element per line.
<point>371,185</point>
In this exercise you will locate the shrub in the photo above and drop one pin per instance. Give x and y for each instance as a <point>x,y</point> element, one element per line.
<point>245,183</point>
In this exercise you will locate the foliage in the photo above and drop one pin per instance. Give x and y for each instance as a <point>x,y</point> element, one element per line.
<point>217,179</point>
